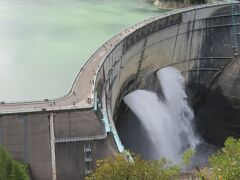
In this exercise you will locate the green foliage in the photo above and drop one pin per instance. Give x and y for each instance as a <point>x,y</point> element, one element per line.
<point>187,156</point>
<point>119,168</point>
<point>204,174</point>
<point>5,164</point>
<point>18,173</point>
<point>226,162</point>
<point>10,169</point>
<point>225,165</point>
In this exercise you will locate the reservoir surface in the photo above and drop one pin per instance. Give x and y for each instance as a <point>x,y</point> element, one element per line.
<point>43,44</point>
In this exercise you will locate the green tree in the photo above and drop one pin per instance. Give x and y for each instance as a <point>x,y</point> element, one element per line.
<point>5,164</point>
<point>120,168</point>
<point>224,165</point>
<point>18,173</point>
<point>187,158</point>
<point>10,169</point>
<point>204,174</point>
<point>226,162</point>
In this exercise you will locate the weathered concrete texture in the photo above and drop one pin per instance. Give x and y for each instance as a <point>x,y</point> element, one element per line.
<point>39,146</point>
<point>12,135</point>
<point>77,123</point>
<point>71,158</point>
<point>26,137</point>
<point>219,112</point>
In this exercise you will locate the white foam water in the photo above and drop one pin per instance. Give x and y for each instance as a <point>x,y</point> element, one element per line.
<point>167,118</point>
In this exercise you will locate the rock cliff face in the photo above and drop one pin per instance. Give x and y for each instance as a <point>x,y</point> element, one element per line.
<point>172,4</point>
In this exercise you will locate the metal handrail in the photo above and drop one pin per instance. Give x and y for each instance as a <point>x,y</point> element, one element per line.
<point>85,138</point>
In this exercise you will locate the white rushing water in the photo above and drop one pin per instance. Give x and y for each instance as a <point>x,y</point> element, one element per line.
<point>167,118</point>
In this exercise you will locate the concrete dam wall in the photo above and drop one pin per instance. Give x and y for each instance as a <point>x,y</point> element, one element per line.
<point>62,139</point>
<point>199,42</point>
<point>54,143</point>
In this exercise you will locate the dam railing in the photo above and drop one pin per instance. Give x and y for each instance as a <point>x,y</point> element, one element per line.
<point>129,35</point>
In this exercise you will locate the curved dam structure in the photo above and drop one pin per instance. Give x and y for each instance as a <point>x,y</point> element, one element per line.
<point>62,139</point>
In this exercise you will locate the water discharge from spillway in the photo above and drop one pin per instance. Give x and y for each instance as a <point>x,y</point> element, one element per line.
<point>166,116</point>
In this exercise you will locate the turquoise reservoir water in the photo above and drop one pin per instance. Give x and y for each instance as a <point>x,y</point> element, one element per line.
<point>44,43</point>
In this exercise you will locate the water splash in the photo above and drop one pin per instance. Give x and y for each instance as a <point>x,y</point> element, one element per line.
<point>166,116</point>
